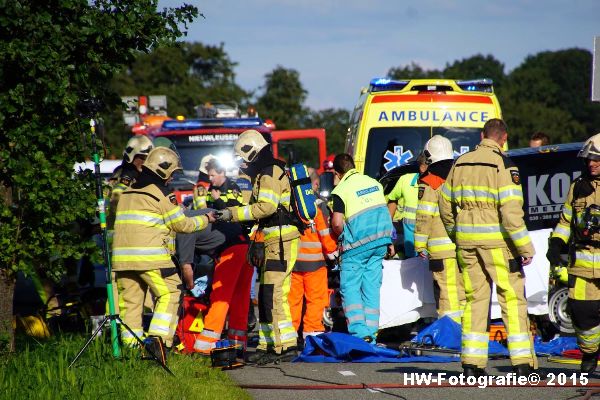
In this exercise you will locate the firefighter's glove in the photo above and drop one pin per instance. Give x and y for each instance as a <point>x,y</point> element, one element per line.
<point>224,215</point>
<point>554,248</point>
<point>560,273</point>
<point>256,254</point>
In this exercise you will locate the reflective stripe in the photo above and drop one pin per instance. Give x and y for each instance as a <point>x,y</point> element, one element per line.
<point>211,334</point>
<point>521,337</point>
<point>288,336</point>
<point>409,210</point>
<point>244,213</point>
<point>471,351</point>
<point>487,228</point>
<point>139,251</point>
<point>510,193</point>
<point>475,337</point>
<point>353,307</point>
<point>439,241</point>
<point>204,345</point>
<point>149,219</point>
<point>175,215</point>
<point>371,322</point>
<point>268,196</point>
<point>355,318</point>
<point>589,332</point>
<point>370,238</point>
<point>306,334</point>
<point>286,324</point>
<point>474,194</point>
<point>427,208</point>
<point>310,257</point>
<point>310,245</point>
<point>519,352</point>
<point>324,232</point>
<point>409,221</point>
<point>371,310</point>
<point>236,333</point>
<point>562,232</point>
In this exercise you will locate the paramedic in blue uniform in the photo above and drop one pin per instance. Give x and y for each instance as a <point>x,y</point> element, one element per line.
<point>363,224</point>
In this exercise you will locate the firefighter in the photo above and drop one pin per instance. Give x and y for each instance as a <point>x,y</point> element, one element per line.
<point>146,215</point>
<point>222,192</point>
<point>481,206</point>
<point>309,278</point>
<point>276,255</point>
<point>363,224</point>
<point>136,151</point>
<point>405,192</point>
<point>227,245</point>
<point>579,227</point>
<point>431,239</point>
<point>202,184</point>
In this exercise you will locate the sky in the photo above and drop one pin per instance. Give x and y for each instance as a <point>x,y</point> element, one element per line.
<point>338,46</point>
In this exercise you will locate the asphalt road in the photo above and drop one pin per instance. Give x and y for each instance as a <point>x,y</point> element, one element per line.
<point>350,381</point>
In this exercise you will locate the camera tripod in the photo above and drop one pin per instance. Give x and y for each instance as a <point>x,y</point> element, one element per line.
<point>112,317</point>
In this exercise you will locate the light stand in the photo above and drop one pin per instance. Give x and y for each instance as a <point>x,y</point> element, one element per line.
<point>112,317</point>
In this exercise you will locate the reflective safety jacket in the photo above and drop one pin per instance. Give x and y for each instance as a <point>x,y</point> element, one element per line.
<point>481,202</point>
<point>231,195</point>
<point>145,220</point>
<point>585,254</point>
<point>430,234</point>
<point>271,191</point>
<point>367,222</point>
<point>313,244</point>
<point>405,193</point>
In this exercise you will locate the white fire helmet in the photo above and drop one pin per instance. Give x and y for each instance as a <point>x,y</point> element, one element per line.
<point>591,148</point>
<point>438,148</point>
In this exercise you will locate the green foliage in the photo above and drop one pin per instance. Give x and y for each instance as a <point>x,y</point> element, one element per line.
<point>40,371</point>
<point>335,123</point>
<point>283,98</point>
<point>549,92</point>
<point>189,74</point>
<point>55,55</point>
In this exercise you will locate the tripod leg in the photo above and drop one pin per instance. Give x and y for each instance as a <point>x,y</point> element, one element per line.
<point>154,356</point>
<point>96,332</point>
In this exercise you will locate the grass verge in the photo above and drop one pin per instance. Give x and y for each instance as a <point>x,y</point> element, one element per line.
<point>40,371</point>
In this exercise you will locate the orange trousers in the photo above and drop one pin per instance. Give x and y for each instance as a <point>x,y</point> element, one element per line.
<point>230,294</point>
<point>311,286</point>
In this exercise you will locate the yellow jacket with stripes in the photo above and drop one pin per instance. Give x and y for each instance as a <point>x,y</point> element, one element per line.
<point>145,219</point>
<point>271,188</point>
<point>481,202</point>
<point>585,258</point>
<point>430,234</point>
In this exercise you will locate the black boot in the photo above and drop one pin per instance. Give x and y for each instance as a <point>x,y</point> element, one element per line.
<point>589,362</point>
<point>473,370</point>
<point>262,357</point>
<point>287,355</point>
<point>522,370</point>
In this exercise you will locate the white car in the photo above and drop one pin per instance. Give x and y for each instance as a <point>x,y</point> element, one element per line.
<point>106,167</point>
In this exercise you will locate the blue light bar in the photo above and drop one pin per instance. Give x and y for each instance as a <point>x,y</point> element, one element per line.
<point>174,125</point>
<point>385,84</point>
<point>477,85</point>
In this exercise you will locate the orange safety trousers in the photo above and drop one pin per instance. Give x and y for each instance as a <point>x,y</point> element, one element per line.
<point>232,279</point>
<point>313,287</point>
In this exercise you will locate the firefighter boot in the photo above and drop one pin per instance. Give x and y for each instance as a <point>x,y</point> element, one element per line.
<point>589,362</point>
<point>287,355</point>
<point>262,357</point>
<point>473,370</point>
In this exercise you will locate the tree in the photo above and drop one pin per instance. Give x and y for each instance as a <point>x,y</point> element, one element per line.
<point>477,66</point>
<point>335,122</point>
<point>413,71</point>
<point>283,98</point>
<point>558,83</point>
<point>189,74</point>
<point>56,57</point>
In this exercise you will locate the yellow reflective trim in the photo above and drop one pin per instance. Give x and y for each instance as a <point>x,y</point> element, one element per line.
<point>467,320</point>
<point>141,258</point>
<point>451,283</point>
<point>511,300</point>
<point>579,289</point>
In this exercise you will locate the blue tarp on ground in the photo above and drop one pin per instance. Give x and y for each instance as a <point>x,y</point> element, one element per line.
<point>340,347</point>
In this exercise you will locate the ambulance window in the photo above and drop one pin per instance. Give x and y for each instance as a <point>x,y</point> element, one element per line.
<point>463,139</point>
<point>389,148</point>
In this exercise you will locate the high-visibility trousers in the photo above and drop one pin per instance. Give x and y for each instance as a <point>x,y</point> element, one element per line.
<point>360,282</point>
<point>230,295</point>
<point>480,267</point>
<point>448,288</point>
<point>311,286</point>
<point>275,328</point>
<point>166,288</point>
<point>584,307</point>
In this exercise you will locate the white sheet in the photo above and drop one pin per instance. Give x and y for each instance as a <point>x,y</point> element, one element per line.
<point>407,288</point>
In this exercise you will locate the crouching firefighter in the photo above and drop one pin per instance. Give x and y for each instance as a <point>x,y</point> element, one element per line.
<point>227,244</point>
<point>146,215</point>
<point>579,227</point>
<point>270,207</point>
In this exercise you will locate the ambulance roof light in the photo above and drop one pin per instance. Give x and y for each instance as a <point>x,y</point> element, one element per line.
<point>385,84</point>
<point>477,85</point>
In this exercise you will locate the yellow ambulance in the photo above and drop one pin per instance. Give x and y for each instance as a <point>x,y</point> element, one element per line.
<point>394,118</point>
